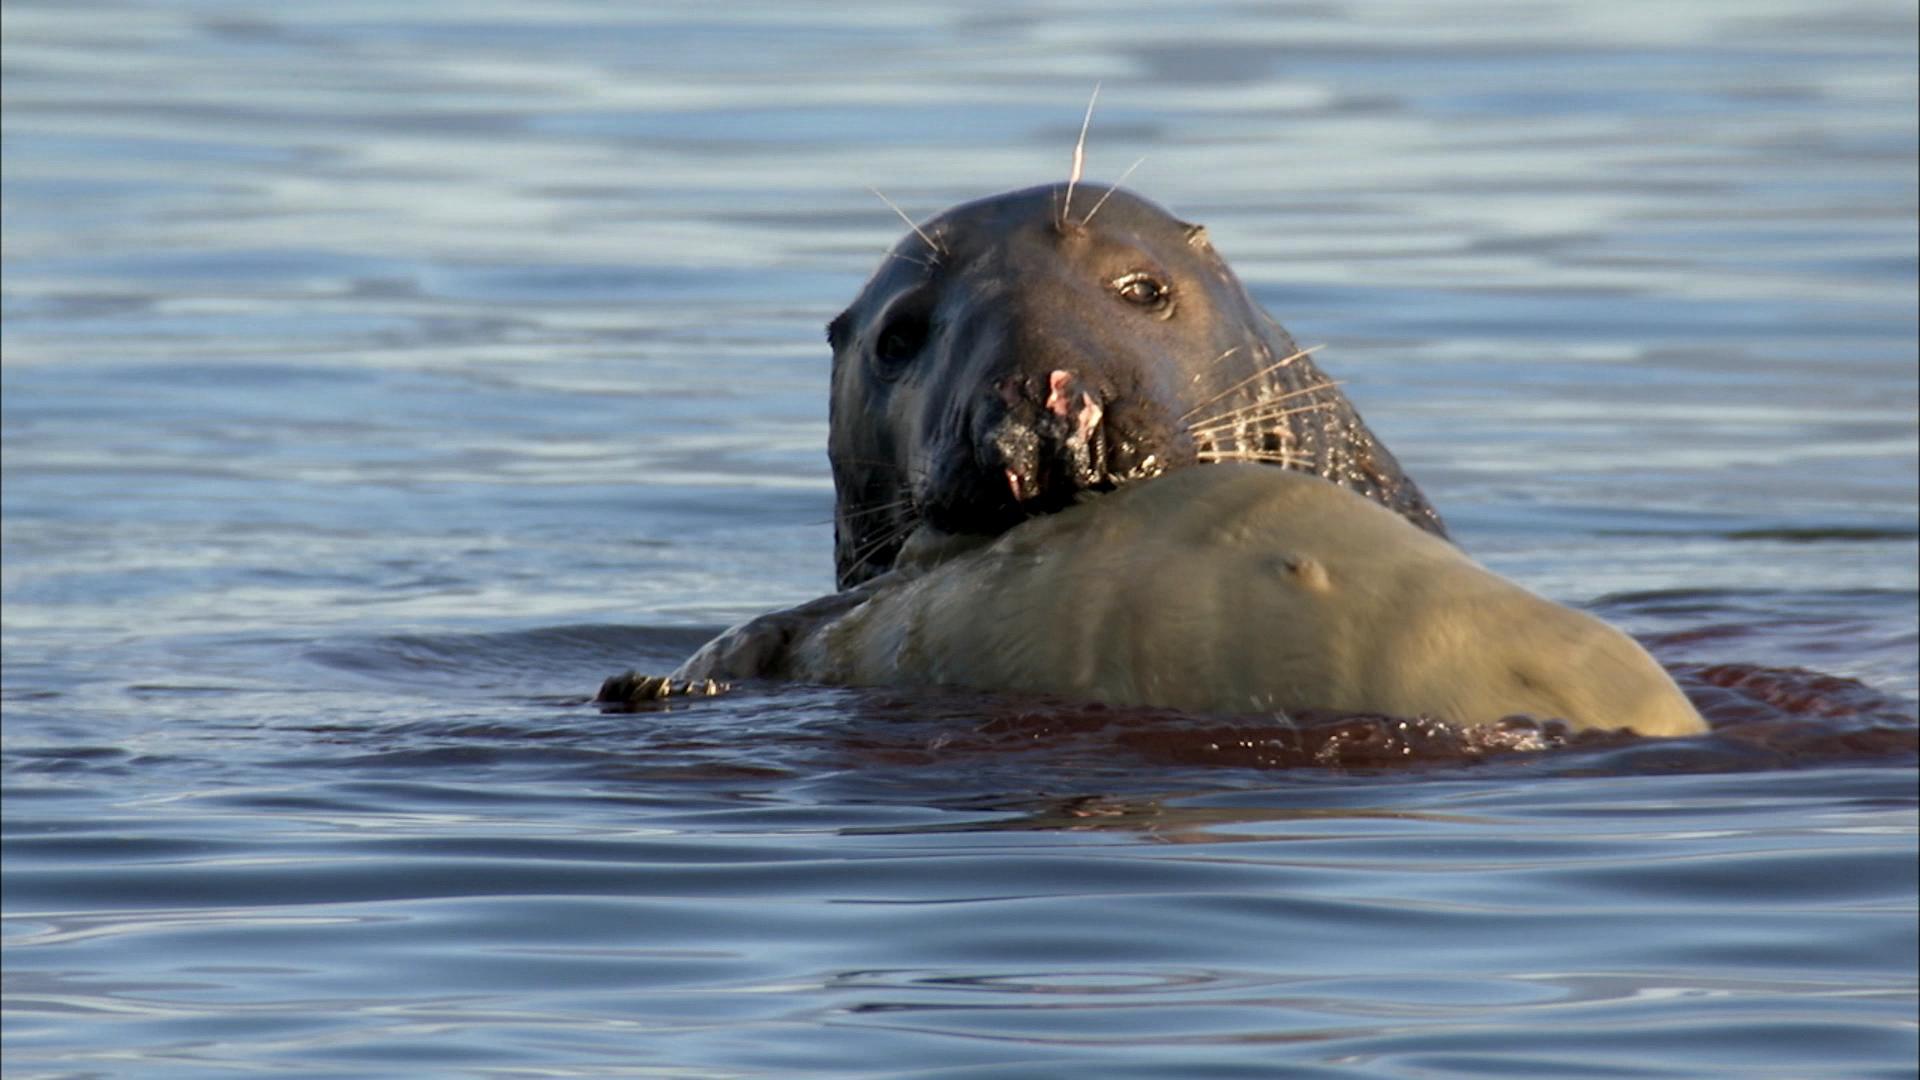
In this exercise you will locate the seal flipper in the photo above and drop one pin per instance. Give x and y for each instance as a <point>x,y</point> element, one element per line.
<point>761,647</point>
<point>632,690</point>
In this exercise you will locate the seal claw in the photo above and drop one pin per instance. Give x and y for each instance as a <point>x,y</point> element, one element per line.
<point>632,690</point>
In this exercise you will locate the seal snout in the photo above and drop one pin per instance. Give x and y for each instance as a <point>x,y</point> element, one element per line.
<point>1046,439</point>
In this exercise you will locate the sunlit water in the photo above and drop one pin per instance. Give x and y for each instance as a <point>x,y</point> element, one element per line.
<point>380,377</point>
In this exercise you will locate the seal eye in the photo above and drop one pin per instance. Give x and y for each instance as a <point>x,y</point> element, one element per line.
<point>1142,289</point>
<point>902,339</point>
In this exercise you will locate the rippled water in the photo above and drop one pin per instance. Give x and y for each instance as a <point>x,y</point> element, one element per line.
<point>378,378</point>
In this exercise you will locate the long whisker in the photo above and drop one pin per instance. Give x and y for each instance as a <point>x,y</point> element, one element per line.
<point>1116,186</point>
<point>874,544</point>
<point>1202,374</point>
<point>1260,409</point>
<point>1262,373</point>
<point>867,511</point>
<point>910,223</point>
<point>878,508</point>
<point>1272,457</point>
<point>880,542</point>
<point>1228,427</point>
<point>1079,157</point>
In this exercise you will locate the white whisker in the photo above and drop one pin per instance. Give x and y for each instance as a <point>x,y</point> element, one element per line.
<point>1079,157</point>
<point>1269,457</point>
<point>1265,371</point>
<point>1265,410</point>
<point>930,242</point>
<point>1110,191</point>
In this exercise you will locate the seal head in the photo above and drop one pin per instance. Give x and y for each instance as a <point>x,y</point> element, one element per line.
<point>1013,354</point>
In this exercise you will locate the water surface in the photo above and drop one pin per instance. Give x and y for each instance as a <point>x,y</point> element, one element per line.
<point>379,379</point>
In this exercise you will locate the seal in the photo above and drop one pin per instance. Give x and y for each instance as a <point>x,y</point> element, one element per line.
<point>1017,395</point>
<point>1235,588</point>
<point>1015,353</point>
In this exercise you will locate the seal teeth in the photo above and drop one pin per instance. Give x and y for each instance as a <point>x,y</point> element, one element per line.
<point>1090,417</point>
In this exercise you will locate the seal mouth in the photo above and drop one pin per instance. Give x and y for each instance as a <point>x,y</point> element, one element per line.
<point>1043,440</point>
<point>1050,444</point>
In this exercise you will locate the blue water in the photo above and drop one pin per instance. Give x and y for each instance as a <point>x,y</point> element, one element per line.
<point>378,378</point>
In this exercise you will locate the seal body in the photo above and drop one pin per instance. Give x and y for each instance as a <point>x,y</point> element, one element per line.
<point>1014,353</point>
<point>1233,588</point>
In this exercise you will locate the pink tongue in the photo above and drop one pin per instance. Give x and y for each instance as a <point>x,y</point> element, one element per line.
<point>1013,484</point>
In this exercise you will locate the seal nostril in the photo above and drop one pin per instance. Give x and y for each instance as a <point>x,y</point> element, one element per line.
<point>1011,390</point>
